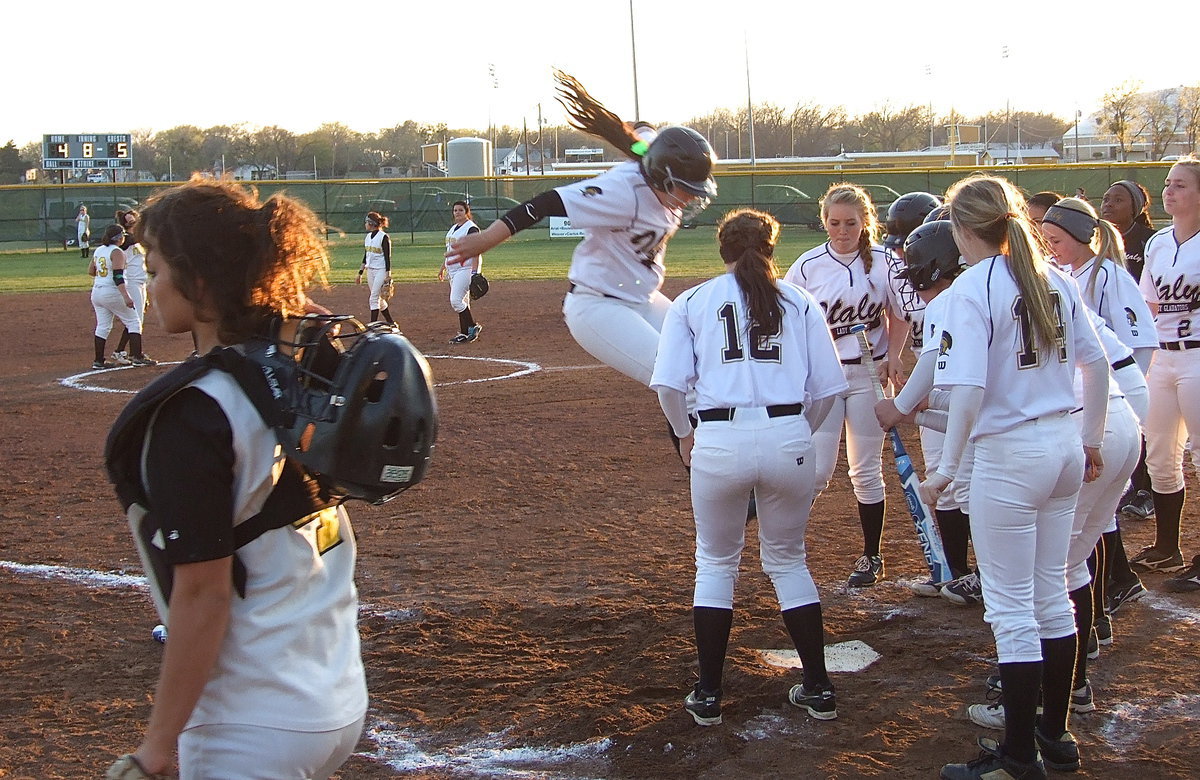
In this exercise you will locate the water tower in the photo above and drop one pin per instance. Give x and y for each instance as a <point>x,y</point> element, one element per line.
<point>466,157</point>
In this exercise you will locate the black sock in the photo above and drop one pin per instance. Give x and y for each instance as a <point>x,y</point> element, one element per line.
<point>135,344</point>
<point>124,341</point>
<point>1119,572</point>
<point>1021,683</point>
<point>712,639</point>
<point>374,315</point>
<point>98,343</point>
<point>870,516</point>
<point>1058,664</point>
<point>1097,563</point>
<point>1141,475</point>
<point>805,627</point>
<point>387,314</point>
<point>1167,508</point>
<point>1084,617</point>
<point>464,321</point>
<point>955,529</point>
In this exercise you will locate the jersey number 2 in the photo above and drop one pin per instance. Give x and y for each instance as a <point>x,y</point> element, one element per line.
<point>761,346</point>
<point>1028,356</point>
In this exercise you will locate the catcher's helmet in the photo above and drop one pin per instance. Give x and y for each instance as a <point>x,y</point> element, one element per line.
<point>680,157</point>
<point>905,213</point>
<point>360,412</point>
<point>930,255</point>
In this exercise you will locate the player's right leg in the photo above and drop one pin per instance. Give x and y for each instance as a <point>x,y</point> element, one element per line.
<point>1166,434</point>
<point>615,332</point>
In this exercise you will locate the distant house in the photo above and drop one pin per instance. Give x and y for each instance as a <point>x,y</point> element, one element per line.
<point>512,161</point>
<point>1085,141</point>
<point>248,172</point>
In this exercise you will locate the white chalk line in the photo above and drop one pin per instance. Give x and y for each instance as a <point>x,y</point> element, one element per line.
<point>81,381</point>
<point>399,748</point>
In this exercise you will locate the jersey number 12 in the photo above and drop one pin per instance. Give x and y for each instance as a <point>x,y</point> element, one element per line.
<point>761,346</point>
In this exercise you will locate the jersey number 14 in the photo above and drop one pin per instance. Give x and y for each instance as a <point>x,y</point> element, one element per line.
<point>1028,356</point>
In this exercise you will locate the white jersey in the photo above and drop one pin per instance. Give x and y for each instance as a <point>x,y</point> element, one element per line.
<point>848,295</point>
<point>455,233</point>
<point>104,272</point>
<point>82,223</point>
<point>1171,279</point>
<point>373,245</point>
<point>625,231</point>
<point>988,341</point>
<point>933,317</point>
<point>707,343</point>
<point>135,263</point>
<point>1115,297</point>
<point>905,302</point>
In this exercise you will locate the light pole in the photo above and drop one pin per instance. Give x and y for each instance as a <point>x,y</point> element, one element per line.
<point>637,113</point>
<point>1007,109</point>
<point>1078,115</point>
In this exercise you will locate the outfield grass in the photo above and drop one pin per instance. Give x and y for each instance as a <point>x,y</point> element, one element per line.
<point>530,255</point>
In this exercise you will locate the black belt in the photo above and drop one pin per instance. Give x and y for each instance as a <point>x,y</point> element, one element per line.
<point>858,360</point>
<point>1178,345</point>
<point>778,410</point>
<point>571,289</point>
<point>1126,363</point>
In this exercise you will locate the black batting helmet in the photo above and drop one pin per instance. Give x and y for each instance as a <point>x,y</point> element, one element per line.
<point>930,255</point>
<point>680,157</point>
<point>941,212</point>
<point>905,213</point>
<point>360,407</point>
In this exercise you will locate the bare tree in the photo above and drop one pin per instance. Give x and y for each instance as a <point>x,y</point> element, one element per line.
<point>814,129</point>
<point>1159,116</point>
<point>1118,114</point>
<point>1189,114</point>
<point>888,130</point>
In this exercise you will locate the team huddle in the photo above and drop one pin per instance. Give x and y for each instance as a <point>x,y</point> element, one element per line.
<point>1041,352</point>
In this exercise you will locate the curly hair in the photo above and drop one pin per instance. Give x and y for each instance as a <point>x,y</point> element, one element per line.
<point>240,259</point>
<point>747,239</point>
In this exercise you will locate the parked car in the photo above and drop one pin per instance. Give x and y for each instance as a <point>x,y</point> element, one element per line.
<point>882,196</point>
<point>790,205</point>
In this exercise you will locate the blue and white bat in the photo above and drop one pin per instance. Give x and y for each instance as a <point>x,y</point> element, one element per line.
<point>927,531</point>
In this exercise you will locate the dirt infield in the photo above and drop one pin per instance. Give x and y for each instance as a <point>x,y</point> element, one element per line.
<point>526,609</point>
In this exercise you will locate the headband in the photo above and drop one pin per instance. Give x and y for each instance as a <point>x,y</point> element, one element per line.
<point>1135,195</point>
<point>1079,224</point>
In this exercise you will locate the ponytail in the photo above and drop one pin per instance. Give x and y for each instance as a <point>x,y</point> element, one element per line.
<point>589,115</point>
<point>747,239</point>
<point>1031,272</point>
<point>1108,245</point>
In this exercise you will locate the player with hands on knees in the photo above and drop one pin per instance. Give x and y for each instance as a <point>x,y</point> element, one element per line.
<point>250,561</point>
<point>1015,329</point>
<point>614,308</point>
<point>377,265</point>
<point>848,275</point>
<point>758,355</point>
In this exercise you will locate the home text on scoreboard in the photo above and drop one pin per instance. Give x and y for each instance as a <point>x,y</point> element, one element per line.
<point>97,150</point>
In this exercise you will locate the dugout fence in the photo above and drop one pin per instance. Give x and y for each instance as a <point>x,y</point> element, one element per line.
<point>36,216</point>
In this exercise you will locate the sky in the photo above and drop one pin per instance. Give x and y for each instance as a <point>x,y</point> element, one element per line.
<point>372,65</point>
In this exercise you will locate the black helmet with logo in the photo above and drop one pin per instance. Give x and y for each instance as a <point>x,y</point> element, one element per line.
<point>679,157</point>
<point>930,255</point>
<point>905,213</point>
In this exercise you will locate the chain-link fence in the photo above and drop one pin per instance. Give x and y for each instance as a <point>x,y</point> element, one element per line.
<point>43,216</point>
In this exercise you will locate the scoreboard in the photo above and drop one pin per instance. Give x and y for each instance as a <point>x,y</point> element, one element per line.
<point>99,150</point>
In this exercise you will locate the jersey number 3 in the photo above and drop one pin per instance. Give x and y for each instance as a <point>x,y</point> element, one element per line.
<point>761,346</point>
<point>1028,356</point>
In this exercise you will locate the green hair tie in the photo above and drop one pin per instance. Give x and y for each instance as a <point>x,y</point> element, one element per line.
<point>639,148</point>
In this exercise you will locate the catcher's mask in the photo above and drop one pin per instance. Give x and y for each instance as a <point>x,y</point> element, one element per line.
<point>358,404</point>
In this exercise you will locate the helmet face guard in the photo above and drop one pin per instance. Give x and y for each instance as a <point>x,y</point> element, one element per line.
<point>359,405</point>
<point>931,256</point>
<point>679,162</point>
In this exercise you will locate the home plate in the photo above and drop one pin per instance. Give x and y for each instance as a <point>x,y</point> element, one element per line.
<point>852,656</point>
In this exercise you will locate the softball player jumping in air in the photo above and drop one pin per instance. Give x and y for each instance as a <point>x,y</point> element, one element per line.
<point>614,309</point>
<point>377,264</point>
<point>110,295</point>
<point>1015,328</point>
<point>759,357</point>
<point>1171,285</point>
<point>262,675</point>
<point>460,273</point>
<point>848,275</point>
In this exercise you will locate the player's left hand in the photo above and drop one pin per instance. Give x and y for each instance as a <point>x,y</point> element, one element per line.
<point>685,449</point>
<point>932,487</point>
<point>888,415</point>
<point>1093,463</point>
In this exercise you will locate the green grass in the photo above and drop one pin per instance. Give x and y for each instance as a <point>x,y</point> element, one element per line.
<point>529,255</point>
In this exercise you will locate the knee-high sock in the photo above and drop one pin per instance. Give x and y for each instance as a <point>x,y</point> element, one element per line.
<point>712,639</point>
<point>1084,617</point>
<point>98,343</point>
<point>387,314</point>
<point>805,627</point>
<point>1117,565</point>
<point>465,320</point>
<point>870,516</point>
<point>124,340</point>
<point>1021,683</point>
<point>1058,664</point>
<point>374,315</point>
<point>135,344</point>
<point>1167,508</point>
<point>1097,562</point>
<point>955,529</point>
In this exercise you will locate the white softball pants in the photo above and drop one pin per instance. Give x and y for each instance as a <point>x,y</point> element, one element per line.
<point>1174,414</point>
<point>854,409</point>
<point>931,451</point>
<point>108,302</point>
<point>619,333</point>
<point>772,456</point>
<point>137,291</point>
<point>1023,490</point>
<point>233,751</point>
<point>1097,502</point>
<point>375,277</point>
<point>460,286</point>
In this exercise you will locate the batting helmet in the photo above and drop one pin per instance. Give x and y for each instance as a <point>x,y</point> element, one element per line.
<point>680,157</point>
<point>930,255</point>
<point>905,213</point>
<point>941,212</point>
<point>359,406</point>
